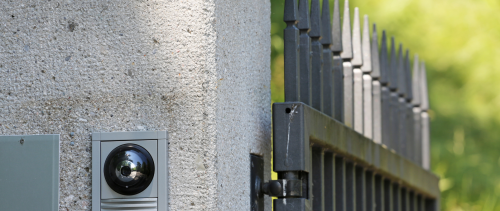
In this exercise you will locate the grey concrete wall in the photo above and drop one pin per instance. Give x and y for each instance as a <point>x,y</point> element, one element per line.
<point>198,69</point>
<point>243,111</point>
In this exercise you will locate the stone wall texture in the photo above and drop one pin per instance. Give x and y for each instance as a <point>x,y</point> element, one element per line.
<point>199,69</point>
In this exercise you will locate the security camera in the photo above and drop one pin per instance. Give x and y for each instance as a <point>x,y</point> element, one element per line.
<point>129,170</point>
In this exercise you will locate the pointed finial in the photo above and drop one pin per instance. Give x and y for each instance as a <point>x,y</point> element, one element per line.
<point>416,82</point>
<point>367,53</point>
<point>346,33</point>
<point>375,56</point>
<point>409,94</point>
<point>423,88</point>
<point>401,73</point>
<point>357,57</point>
<point>304,22</point>
<point>315,19</point>
<point>336,29</point>
<point>326,31</point>
<point>393,69</point>
<point>291,11</point>
<point>384,61</point>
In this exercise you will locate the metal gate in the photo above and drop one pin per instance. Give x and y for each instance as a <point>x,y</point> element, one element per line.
<point>353,133</point>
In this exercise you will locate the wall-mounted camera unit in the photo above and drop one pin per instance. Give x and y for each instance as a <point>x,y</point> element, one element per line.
<point>130,171</point>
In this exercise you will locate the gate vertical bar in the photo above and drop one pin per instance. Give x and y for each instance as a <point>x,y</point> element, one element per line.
<point>347,67</point>
<point>410,142</point>
<point>396,194</point>
<point>318,179</point>
<point>350,186</point>
<point>360,185</point>
<point>304,26</point>
<point>291,48</point>
<point>425,142</point>
<point>422,204</point>
<point>412,201</point>
<point>401,121</point>
<point>388,195</point>
<point>367,81</point>
<point>425,149</point>
<point>329,181</point>
<point>326,40</point>
<point>401,80</point>
<point>357,74</point>
<point>417,135</point>
<point>317,57</point>
<point>379,193</point>
<point>338,67</point>
<point>370,191</point>
<point>377,88</point>
<point>417,122</point>
<point>394,102</point>
<point>415,202</point>
<point>385,92</point>
<point>350,181</point>
<point>402,103</point>
<point>419,203</point>
<point>340,184</point>
<point>404,199</point>
<point>431,205</point>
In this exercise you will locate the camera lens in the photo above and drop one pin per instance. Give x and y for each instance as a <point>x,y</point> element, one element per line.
<point>129,169</point>
<point>126,171</point>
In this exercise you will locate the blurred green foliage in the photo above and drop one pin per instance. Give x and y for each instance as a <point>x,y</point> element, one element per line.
<point>460,43</point>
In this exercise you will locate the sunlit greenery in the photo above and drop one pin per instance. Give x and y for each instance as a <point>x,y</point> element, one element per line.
<point>460,43</point>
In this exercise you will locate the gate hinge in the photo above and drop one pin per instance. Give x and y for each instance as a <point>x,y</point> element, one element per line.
<point>292,184</point>
<point>283,188</point>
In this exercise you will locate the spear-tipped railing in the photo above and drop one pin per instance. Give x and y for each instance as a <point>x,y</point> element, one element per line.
<point>305,53</point>
<point>367,81</point>
<point>353,133</point>
<point>291,48</point>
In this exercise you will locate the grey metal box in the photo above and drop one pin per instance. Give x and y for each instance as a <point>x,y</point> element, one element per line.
<point>29,172</point>
<point>105,200</point>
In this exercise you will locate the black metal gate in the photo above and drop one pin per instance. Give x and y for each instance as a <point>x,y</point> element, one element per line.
<point>353,133</point>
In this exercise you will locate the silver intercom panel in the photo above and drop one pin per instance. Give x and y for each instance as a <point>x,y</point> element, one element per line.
<point>130,171</point>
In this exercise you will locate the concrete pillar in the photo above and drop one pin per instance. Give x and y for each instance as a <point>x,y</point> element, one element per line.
<point>198,69</point>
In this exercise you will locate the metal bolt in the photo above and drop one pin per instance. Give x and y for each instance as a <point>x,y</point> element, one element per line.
<point>275,188</point>
<point>272,188</point>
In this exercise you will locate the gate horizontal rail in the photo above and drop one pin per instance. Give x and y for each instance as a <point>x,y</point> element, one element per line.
<point>304,137</point>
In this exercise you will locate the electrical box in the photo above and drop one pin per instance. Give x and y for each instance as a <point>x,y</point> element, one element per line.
<point>29,172</point>
<point>130,171</point>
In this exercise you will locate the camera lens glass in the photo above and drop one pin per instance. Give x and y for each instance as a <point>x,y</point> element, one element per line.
<point>129,169</point>
<point>126,171</point>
